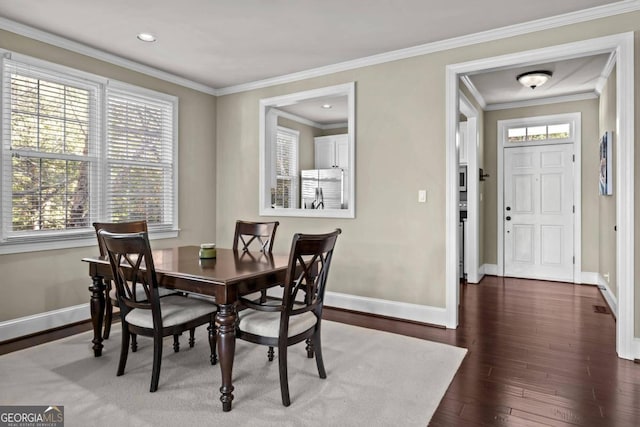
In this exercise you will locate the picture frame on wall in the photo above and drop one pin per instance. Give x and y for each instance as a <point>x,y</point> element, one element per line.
<point>606,168</point>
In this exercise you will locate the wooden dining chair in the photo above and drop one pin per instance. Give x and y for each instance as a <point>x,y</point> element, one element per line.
<point>257,236</point>
<point>297,316</point>
<point>142,311</point>
<point>111,300</point>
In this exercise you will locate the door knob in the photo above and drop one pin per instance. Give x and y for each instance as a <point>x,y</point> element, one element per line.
<point>508,208</point>
<point>508,218</point>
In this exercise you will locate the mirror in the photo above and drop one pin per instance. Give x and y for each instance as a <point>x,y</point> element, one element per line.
<point>307,153</point>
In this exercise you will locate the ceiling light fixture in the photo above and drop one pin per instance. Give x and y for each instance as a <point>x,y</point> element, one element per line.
<point>326,106</point>
<point>146,37</point>
<point>533,79</point>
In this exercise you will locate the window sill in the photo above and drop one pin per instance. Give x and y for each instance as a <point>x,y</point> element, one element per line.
<point>17,248</point>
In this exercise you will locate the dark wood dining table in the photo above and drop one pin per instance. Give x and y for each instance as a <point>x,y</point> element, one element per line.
<point>227,277</point>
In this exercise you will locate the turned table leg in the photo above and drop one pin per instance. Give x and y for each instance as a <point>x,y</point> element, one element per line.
<point>226,322</point>
<point>97,313</point>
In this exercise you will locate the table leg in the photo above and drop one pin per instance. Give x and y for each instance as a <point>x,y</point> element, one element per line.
<point>97,313</point>
<point>226,322</point>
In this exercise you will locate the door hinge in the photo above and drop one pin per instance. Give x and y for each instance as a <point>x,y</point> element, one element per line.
<point>574,259</point>
<point>574,209</point>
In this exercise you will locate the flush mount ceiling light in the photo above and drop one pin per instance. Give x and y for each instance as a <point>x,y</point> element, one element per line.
<point>326,106</point>
<point>533,79</point>
<point>146,37</point>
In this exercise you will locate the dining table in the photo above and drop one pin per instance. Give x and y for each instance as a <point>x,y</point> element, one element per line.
<point>225,278</point>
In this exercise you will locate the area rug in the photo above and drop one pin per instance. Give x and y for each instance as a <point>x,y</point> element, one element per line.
<point>373,379</point>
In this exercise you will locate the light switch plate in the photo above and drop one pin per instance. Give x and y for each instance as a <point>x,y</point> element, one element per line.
<point>422,196</point>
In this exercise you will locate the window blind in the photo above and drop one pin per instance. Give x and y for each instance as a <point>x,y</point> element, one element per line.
<point>77,148</point>
<point>286,190</point>
<point>50,139</point>
<point>139,176</point>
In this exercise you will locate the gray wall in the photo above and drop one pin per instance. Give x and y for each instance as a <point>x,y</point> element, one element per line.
<point>42,281</point>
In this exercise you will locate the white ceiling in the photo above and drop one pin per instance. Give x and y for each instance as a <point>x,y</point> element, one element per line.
<point>222,43</point>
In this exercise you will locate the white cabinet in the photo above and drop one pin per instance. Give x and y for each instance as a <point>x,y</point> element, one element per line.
<point>332,151</point>
<point>462,148</point>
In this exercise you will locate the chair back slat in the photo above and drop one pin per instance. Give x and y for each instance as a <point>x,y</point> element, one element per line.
<point>260,234</point>
<point>309,262</point>
<point>117,227</point>
<point>133,269</point>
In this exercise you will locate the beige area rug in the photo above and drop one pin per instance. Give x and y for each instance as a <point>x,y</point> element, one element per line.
<point>373,379</point>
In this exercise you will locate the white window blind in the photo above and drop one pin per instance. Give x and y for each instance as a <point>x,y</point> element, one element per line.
<point>50,138</point>
<point>139,175</point>
<point>286,190</point>
<point>78,149</point>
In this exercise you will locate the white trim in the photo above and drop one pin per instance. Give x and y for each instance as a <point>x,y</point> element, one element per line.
<point>472,233</point>
<point>308,122</point>
<point>623,44</point>
<point>490,269</point>
<point>43,321</point>
<point>606,72</point>
<point>452,200</point>
<point>400,310</point>
<point>607,294</point>
<point>19,248</point>
<point>473,90</point>
<point>625,171</point>
<point>439,46</point>
<point>58,41</point>
<point>542,101</point>
<point>636,348</point>
<point>589,278</point>
<point>267,119</point>
<point>598,12</point>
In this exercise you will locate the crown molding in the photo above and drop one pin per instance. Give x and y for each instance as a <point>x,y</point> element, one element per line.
<point>618,8</point>
<point>605,11</point>
<point>473,90</point>
<point>606,72</point>
<point>64,43</point>
<point>542,101</point>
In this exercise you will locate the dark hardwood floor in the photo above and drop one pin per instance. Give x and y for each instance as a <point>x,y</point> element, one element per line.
<point>539,354</point>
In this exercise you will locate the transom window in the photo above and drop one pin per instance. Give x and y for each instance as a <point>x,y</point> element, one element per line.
<point>540,133</point>
<point>77,149</point>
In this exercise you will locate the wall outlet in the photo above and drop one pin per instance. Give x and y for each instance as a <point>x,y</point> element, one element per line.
<point>606,277</point>
<point>422,196</point>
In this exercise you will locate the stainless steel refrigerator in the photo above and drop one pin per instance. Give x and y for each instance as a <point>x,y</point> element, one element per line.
<point>323,189</point>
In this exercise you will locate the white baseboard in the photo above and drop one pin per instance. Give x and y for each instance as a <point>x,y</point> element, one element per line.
<point>489,269</point>
<point>27,325</point>
<point>400,310</point>
<point>636,348</point>
<point>588,278</point>
<point>605,290</point>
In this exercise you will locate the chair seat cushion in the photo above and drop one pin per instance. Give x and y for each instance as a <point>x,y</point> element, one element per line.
<point>176,309</point>
<point>140,296</point>
<point>267,324</point>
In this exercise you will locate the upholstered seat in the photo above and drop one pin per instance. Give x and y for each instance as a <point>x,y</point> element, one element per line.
<point>297,316</point>
<point>142,310</point>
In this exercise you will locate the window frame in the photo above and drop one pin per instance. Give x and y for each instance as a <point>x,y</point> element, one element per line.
<point>61,239</point>
<point>293,179</point>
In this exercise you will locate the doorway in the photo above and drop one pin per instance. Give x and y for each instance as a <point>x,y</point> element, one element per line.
<point>621,45</point>
<point>539,197</point>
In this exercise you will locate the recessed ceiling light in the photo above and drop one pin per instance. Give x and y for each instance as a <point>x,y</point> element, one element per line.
<point>146,37</point>
<point>327,106</point>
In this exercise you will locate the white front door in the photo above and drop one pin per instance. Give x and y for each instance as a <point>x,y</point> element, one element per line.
<point>539,212</point>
